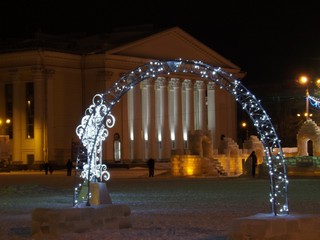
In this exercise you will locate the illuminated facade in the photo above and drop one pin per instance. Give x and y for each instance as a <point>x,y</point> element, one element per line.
<point>46,91</point>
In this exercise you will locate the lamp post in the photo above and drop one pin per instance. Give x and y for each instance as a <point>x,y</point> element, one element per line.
<point>304,80</point>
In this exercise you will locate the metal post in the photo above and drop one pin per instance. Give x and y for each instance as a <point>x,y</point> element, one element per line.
<point>307,103</point>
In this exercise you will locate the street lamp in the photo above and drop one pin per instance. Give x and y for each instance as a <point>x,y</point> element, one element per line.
<point>304,80</point>
<point>244,126</point>
<point>4,125</point>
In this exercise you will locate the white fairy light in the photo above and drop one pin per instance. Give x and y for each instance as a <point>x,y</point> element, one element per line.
<point>92,132</point>
<point>93,128</point>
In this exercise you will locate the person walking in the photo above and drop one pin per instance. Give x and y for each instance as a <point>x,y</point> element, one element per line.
<point>253,162</point>
<point>51,168</point>
<point>69,167</point>
<point>151,167</point>
<point>46,168</point>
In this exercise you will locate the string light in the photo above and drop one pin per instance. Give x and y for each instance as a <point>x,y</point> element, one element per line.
<point>315,102</point>
<point>92,130</point>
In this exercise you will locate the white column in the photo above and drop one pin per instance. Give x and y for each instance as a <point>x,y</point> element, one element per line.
<point>39,112</point>
<point>199,105</point>
<point>159,88</point>
<point>211,111</point>
<point>18,110</point>
<point>146,118</point>
<point>186,111</point>
<point>49,136</point>
<point>174,112</point>
<point>131,122</point>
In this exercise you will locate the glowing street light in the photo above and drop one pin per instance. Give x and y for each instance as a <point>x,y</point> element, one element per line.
<point>244,126</point>
<point>4,125</point>
<point>304,80</point>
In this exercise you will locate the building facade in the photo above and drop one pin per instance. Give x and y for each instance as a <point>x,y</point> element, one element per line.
<point>46,90</point>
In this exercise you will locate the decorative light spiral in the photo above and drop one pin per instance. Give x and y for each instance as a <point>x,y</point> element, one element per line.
<point>92,130</point>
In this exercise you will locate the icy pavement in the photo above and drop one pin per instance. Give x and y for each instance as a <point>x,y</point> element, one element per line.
<point>163,207</point>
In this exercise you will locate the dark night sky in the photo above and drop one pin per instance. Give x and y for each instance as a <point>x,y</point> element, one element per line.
<point>270,40</point>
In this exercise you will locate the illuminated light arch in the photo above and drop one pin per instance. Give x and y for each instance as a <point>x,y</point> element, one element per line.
<point>93,128</point>
<point>315,102</point>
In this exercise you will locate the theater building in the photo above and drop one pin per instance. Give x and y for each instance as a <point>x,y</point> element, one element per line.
<point>48,82</point>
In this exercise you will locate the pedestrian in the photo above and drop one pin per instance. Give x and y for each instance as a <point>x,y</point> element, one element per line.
<point>46,168</point>
<point>51,168</point>
<point>222,145</point>
<point>151,167</point>
<point>253,157</point>
<point>69,167</point>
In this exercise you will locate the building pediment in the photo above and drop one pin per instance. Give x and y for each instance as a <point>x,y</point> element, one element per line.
<point>173,43</point>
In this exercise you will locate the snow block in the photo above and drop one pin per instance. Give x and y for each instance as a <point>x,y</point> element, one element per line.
<point>270,227</point>
<point>90,218</point>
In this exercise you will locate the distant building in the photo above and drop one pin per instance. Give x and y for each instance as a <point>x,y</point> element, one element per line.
<point>47,83</point>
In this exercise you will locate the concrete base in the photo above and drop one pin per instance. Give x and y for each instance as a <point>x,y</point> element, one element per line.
<point>58,221</point>
<point>100,215</point>
<point>99,194</point>
<point>270,227</point>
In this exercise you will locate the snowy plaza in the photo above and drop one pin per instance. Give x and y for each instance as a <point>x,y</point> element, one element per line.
<point>163,207</point>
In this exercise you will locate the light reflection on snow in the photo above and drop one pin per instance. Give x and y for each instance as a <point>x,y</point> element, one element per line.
<point>161,208</point>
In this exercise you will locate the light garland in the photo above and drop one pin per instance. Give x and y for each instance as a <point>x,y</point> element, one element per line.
<point>92,130</point>
<point>315,102</point>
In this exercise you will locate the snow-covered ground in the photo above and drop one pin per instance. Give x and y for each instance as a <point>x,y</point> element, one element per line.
<point>162,207</point>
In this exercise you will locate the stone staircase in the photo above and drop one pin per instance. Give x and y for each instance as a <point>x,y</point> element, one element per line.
<point>212,167</point>
<point>219,168</point>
